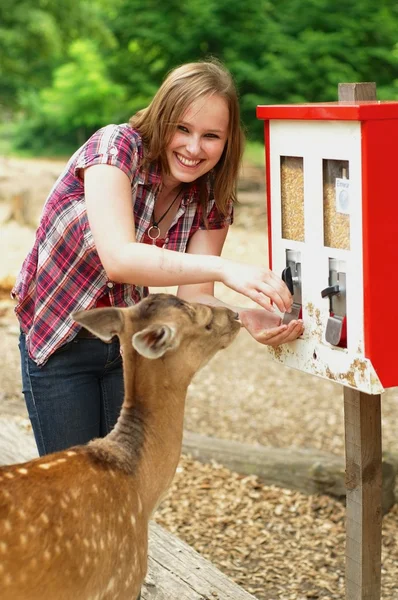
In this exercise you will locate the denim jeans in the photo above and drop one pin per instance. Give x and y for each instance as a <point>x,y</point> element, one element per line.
<point>76,396</point>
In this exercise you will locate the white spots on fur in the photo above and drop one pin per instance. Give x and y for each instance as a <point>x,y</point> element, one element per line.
<point>98,518</point>
<point>82,571</point>
<point>33,563</point>
<point>57,549</point>
<point>23,577</point>
<point>22,513</point>
<point>102,544</point>
<point>94,487</point>
<point>32,529</point>
<point>23,539</point>
<point>6,494</point>
<point>44,518</point>
<point>139,504</point>
<point>133,520</point>
<point>9,475</point>
<point>7,525</point>
<point>63,504</point>
<point>68,545</point>
<point>75,493</point>
<point>110,585</point>
<point>86,543</point>
<point>75,512</point>
<point>47,555</point>
<point>23,471</point>
<point>7,579</point>
<point>61,460</point>
<point>3,547</point>
<point>46,466</point>
<point>1,568</point>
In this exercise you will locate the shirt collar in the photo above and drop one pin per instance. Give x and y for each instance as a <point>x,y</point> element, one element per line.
<point>152,176</point>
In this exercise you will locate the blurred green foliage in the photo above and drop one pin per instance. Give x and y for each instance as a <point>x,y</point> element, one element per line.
<point>67,68</point>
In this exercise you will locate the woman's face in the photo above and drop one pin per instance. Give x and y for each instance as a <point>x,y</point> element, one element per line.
<point>199,140</point>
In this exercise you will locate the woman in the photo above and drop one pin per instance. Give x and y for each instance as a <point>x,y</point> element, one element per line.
<point>141,204</point>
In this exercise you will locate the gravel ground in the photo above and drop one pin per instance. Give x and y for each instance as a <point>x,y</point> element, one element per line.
<point>278,544</point>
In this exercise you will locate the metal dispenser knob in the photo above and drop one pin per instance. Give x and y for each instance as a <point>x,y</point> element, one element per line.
<point>294,286</point>
<point>336,327</point>
<point>330,291</point>
<point>288,279</point>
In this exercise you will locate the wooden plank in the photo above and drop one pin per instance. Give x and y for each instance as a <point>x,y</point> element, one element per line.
<point>175,570</point>
<point>355,92</point>
<point>362,415</point>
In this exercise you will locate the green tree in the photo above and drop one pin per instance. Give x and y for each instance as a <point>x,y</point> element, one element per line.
<point>34,37</point>
<point>81,99</point>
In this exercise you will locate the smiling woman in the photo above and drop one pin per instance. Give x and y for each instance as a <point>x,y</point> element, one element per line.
<point>144,203</point>
<point>199,140</point>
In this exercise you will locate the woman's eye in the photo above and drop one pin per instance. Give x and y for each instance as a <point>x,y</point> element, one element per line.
<point>182,128</point>
<point>212,135</point>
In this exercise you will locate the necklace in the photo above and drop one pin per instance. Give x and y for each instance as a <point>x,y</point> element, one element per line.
<point>154,231</point>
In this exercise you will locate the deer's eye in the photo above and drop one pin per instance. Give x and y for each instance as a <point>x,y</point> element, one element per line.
<point>209,325</point>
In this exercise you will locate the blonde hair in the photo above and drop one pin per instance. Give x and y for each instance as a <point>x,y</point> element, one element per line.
<point>157,123</point>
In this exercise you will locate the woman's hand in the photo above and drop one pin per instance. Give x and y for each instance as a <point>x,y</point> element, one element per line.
<point>266,328</point>
<point>257,283</point>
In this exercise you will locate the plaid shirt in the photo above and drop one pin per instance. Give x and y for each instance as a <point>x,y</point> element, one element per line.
<point>63,273</point>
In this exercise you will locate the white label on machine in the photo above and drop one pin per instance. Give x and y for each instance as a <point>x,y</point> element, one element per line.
<point>343,196</point>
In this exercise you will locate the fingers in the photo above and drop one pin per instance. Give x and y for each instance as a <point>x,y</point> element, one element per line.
<point>277,292</point>
<point>281,335</point>
<point>257,319</point>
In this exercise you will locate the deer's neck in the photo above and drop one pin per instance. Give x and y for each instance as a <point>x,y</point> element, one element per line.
<point>146,440</point>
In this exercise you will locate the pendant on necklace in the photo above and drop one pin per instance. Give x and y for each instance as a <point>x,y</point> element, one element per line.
<point>155,234</point>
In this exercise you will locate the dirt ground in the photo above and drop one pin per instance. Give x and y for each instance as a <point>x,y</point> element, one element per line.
<point>277,544</point>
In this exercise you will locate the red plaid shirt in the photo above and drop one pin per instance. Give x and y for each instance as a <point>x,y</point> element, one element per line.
<point>63,273</point>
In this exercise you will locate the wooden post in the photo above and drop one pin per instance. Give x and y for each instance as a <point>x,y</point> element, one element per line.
<point>362,420</point>
<point>363,446</point>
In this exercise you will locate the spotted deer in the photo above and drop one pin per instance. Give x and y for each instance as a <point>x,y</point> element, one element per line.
<point>74,524</point>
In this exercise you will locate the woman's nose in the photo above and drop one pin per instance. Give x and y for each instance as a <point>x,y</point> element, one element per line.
<point>193,145</point>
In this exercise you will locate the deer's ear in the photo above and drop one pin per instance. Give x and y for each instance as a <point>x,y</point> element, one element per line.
<point>102,322</point>
<point>155,340</point>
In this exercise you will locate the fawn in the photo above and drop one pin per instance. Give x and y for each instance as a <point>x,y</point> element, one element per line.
<point>74,524</point>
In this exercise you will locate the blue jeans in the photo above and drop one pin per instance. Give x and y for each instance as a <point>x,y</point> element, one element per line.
<point>76,396</point>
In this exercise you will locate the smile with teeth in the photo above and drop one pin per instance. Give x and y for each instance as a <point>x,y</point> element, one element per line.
<point>186,162</point>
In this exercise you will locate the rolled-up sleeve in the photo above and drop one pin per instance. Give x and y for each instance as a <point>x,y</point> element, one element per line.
<point>115,145</point>
<point>216,220</point>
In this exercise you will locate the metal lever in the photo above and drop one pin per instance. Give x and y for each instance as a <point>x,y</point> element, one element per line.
<point>288,279</point>
<point>330,291</point>
<point>296,312</point>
